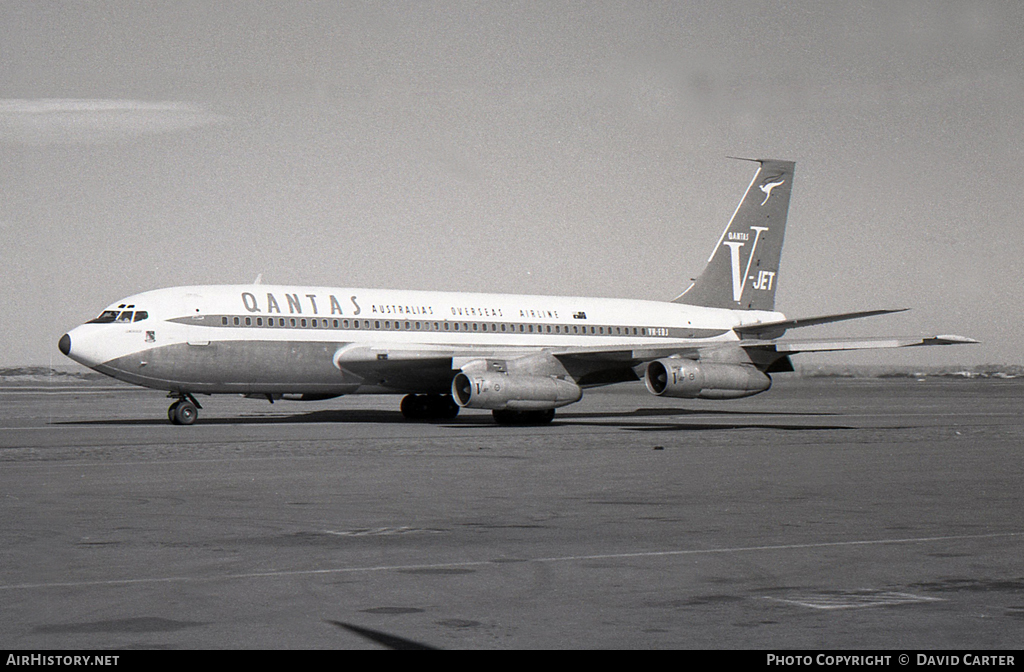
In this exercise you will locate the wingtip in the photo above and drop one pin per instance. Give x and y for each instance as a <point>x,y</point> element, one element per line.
<point>953,339</point>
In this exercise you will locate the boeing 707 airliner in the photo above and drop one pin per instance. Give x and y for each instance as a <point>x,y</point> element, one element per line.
<point>519,356</point>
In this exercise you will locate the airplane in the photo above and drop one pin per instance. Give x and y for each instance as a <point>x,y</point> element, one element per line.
<point>520,356</point>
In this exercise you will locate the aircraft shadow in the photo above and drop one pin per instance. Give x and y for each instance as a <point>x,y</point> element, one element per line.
<point>326,416</point>
<point>695,426</point>
<point>651,412</point>
<point>627,420</point>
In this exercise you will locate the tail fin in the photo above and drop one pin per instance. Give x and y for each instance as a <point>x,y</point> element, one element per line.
<point>743,270</point>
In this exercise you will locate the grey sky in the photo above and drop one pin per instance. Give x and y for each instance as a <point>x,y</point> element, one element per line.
<point>543,147</point>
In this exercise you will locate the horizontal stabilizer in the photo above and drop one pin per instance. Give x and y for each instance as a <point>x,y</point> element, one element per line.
<point>769,330</point>
<point>838,344</point>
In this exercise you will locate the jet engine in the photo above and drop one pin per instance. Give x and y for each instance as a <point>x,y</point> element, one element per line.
<point>692,380</point>
<point>501,391</point>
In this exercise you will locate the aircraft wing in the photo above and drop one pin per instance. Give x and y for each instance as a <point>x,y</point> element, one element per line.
<point>629,355</point>
<point>787,347</point>
<point>600,365</point>
<point>793,347</point>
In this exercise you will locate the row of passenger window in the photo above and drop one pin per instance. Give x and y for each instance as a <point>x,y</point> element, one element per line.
<point>411,325</point>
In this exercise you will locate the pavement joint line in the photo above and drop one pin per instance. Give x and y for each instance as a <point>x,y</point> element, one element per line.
<point>481,563</point>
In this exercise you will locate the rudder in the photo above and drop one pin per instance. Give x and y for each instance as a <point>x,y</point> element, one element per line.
<point>743,270</point>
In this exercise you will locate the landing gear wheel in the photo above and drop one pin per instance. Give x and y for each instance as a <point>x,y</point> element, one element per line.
<point>429,407</point>
<point>183,412</point>
<point>447,408</point>
<point>524,417</point>
<point>414,407</point>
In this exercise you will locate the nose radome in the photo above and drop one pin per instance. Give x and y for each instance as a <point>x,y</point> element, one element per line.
<point>64,344</point>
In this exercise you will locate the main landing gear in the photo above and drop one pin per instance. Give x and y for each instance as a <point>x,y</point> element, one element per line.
<point>429,407</point>
<point>184,411</point>
<point>524,417</point>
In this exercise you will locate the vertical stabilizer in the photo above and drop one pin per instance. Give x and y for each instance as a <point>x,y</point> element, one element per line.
<point>743,270</point>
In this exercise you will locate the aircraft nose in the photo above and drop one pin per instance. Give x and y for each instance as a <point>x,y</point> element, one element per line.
<point>64,344</point>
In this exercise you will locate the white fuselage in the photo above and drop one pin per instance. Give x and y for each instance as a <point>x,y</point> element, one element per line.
<point>263,339</point>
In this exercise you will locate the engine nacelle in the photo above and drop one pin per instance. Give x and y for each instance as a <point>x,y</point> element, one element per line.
<point>692,380</point>
<point>501,392</point>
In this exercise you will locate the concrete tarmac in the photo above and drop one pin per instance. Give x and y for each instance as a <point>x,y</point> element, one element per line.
<point>825,513</point>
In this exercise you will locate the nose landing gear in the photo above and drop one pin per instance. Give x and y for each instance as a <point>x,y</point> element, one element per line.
<point>185,411</point>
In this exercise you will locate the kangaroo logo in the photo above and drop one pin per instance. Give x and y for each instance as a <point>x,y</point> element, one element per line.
<point>767,189</point>
<point>734,256</point>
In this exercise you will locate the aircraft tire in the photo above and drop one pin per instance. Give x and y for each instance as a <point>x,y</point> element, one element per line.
<point>415,407</point>
<point>183,412</point>
<point>447,408</point>
<point>429,407</point>
<point>524,417</point>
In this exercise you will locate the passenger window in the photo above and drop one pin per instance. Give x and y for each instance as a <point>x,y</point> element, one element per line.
<point>236,321</point>
<point>315,323</point>
<point>248,321</point>
<point>259,321</point>
<point>224,321</point>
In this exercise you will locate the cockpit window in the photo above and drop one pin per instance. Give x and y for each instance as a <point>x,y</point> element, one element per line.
<point>107,316</point>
